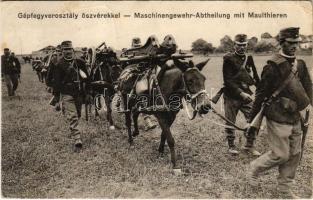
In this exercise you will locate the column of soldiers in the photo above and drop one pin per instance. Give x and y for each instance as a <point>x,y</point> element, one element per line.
<point>283,110</point>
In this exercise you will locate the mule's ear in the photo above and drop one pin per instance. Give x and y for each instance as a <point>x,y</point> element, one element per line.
<point>181,65</point>
<point>201,65</point>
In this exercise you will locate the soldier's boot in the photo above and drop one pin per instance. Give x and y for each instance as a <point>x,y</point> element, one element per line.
<point>57,107</point>
<point>249,147</point>
<point>252,176</point>
<point>78,144</point>
<point>232,149</point>
<point>252,151</point>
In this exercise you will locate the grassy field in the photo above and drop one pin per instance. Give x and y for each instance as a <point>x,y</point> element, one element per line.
<point>38,161</point>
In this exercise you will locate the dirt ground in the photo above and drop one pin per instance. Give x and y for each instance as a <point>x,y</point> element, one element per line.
<point>38,160</point>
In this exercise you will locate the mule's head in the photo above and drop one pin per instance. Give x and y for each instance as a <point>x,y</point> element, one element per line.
<point>194,85</point>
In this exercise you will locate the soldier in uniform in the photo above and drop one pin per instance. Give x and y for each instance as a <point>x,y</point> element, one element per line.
<point>71,81</point>
<point>237,67</point>
<point>283,114</point>
<point>50,77</point>
<point>10,70</point>
<point>85,54</point>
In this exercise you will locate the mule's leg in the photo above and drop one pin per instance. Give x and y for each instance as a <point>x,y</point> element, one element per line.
<point>165,121</point>
<point>128,120</point>
<point>128,125</point>
<point>96,111</point>
<point>108,102</point>
<point>135,120</point>
<point>162,142</point>
<point>171,119</point>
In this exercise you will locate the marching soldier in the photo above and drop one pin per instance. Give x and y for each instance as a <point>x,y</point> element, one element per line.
<point>84,56</point>
<point>286,82</point>
<point>50,77</point>
<point>11,70</point>
<point>71,81</point>
<point>237,67</point>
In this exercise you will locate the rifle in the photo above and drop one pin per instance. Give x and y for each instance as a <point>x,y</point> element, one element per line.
<point>146,58</point>
<point>304,127</point>
<point>254,71</point>
<point>257,121</point>
<point>217,96</point>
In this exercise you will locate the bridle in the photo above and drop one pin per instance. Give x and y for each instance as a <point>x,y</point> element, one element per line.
<point>191,95</point>
<point>186,89</point>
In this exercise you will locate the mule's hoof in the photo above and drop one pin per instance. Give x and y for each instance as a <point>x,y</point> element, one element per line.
<point>130,141</point>
<point>177,172</point>
<point>161,155</point>
<point>135,133</point>
<point>112,128</point>
<point>161,150</point>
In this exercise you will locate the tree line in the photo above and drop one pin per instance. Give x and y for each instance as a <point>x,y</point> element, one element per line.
<point>266,44</point>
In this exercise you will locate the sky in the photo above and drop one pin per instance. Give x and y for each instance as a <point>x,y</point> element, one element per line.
<point>27,35</point>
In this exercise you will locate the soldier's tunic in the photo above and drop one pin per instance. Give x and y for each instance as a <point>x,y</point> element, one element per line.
<point>236,80</point>
<point>11,69</point>
<point>71,86</point>
<point>283,122</point>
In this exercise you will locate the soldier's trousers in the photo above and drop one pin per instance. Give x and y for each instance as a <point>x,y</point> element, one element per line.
<point>285,149</point>
<point>11,81</point>
<point>232,107</point>
<point>72,111</point>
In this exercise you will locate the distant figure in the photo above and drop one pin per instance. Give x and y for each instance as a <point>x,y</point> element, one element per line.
<point>10,70</point>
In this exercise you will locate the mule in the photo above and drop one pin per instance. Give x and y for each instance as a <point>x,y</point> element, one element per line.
<point>104,74</point>
<point>181,80</point>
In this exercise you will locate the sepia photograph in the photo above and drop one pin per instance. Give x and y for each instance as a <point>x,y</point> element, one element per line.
<point>156,99</point>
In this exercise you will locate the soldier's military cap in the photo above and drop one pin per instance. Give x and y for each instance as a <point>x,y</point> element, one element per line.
<point>84,49</point>
<point>6,49</point>
<point>136,42</point>
<point>67,44</point>
<point>241,39</point>
<point>290,34</point>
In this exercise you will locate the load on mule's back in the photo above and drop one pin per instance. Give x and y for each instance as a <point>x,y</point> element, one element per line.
<point>143,64</point>
<point>171,76</point>
<point>104,70</point>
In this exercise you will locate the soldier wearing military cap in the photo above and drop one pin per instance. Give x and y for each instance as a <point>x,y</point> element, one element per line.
<point>237,70</point>
<point>10,70</point>
<point>72,82</point>
<point>85,54</point>
<point>56,56</point>
<point>283,112</point>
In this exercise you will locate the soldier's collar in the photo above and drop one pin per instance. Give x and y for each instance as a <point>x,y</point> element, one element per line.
<point>238,54</point>
<point>284,55</point>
